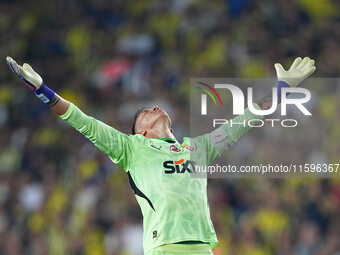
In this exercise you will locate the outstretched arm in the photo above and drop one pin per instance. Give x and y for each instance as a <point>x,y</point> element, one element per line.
<point>35,83</point>
<point>109,140</point>
<point>61,106</point>
<point>228,134</point>
<point>266,102</point>
<point>299,70</point>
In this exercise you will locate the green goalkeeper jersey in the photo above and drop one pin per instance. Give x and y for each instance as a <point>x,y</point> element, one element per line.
<point>174,205</point>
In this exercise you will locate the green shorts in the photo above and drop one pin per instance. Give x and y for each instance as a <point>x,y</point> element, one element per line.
<point>187,249</point>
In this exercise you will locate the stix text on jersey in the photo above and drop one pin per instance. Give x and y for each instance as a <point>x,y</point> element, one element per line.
<point>179,166</point>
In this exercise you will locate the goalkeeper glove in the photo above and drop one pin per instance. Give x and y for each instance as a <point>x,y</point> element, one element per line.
<point>33,81</point>
<point>300,70</point>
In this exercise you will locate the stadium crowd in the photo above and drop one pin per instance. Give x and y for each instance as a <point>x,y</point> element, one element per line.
<point>60,195</point>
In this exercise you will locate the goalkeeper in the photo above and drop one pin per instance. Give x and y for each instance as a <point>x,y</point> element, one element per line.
<point>176,217</point>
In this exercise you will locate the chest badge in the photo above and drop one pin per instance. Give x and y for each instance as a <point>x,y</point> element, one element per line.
<point>189,148</point>
<point>174,148</point>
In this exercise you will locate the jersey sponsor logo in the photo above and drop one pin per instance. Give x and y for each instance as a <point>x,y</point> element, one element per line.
<point>179,166</point>
<point>174,148</point>
<point>189,148</point>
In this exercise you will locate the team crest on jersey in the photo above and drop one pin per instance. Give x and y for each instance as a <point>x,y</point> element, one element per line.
<point>174,148</point>
<point>189,148</point>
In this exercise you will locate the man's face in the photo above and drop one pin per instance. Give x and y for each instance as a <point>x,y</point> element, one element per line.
<point>150,118</point>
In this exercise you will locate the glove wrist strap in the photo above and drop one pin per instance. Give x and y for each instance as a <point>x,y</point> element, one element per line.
<point>47,95</point>
<point>281,85</point>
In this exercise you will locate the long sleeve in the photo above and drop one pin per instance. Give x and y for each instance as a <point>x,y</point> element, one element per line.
<point>109,140</point>
<point>238,126</point>
<point>219,140</point>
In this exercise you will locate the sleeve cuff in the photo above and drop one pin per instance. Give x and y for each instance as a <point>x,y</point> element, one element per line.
<point>68,113</point>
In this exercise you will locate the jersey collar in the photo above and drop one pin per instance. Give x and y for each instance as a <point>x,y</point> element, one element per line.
<point>168,140</point>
